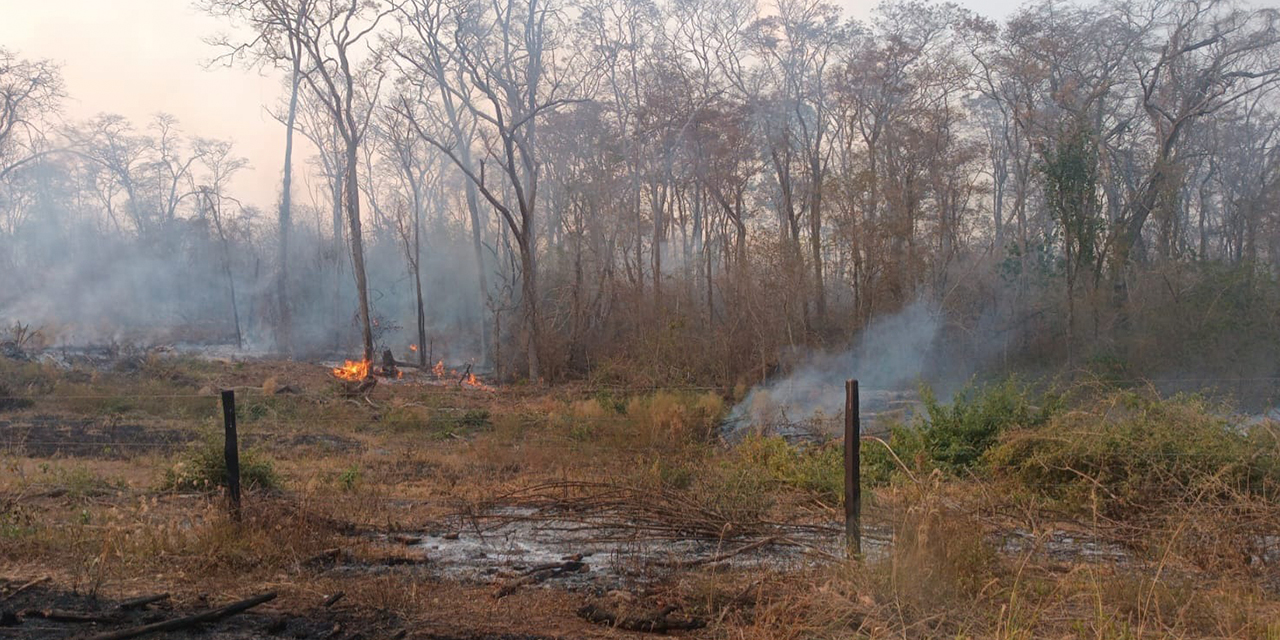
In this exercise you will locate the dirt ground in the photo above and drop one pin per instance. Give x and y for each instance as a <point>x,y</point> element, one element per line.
<point>441,510</point>
<point>364,483</point>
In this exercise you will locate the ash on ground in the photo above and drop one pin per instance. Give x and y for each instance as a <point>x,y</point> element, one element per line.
<point>815,413</point>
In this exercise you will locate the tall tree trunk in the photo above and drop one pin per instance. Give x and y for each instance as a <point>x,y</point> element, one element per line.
<point>473,208</point>
<point>417,275</point>
<point>284,331</point>
<point>529,291</point>
<point>351,196</point>
<point>815,238</point>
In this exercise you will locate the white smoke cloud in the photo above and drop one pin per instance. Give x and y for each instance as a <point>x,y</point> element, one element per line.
<point>891,355</point>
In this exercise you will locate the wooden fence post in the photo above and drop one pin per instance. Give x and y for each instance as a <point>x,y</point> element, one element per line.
<point>852,469</point>
<point>231,452</point>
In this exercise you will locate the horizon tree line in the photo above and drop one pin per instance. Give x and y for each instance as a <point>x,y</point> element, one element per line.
<point>695,189</point>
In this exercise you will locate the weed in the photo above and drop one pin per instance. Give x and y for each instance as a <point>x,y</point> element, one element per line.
<point>203,468</point>
<point>676,417</point>
<point>349,479</point>
<point>475,419</point>
<point>404,418</point>
<point>80,482</point>
<point>818,469</point>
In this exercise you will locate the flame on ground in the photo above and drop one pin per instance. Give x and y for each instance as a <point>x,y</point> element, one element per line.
<point>472,381</point>
<point>469,379</point>
<point>353,370</point>
<point>413,348</point>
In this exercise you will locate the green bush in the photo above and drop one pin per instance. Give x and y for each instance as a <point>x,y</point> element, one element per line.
<point>1135,452</point>
<point>349,479</point>
<point>818,469</point>
<point>954,437</point>
<point>202,467</point>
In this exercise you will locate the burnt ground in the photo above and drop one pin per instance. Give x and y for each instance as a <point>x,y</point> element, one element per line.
<point>46,610</point>
<point>82,502</point>
<point>522,513</point>
<point>47,436</point>
<point>41,611</point>
<point>50,436</point>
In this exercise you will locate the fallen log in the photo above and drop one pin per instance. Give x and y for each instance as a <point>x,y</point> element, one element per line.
<point>333,599</point>
<point>174,624</point>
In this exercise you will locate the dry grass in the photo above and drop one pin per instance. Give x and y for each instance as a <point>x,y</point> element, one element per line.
<point>414,455</point>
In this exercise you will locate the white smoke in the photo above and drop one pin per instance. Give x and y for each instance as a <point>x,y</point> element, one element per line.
<point>890,355</point>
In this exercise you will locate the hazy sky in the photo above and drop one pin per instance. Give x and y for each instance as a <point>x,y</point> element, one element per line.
<point>139,57</point>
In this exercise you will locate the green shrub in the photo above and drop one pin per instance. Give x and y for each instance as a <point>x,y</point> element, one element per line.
<point>1136,452</point>
<point>202,467</point>
<point>611,401</point>
<point>475,419</point>
<point>818,469</point>
<point>349,479</point>
<point>953,437</point>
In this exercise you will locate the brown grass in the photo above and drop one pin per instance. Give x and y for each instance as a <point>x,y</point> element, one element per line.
<point>413,455</point>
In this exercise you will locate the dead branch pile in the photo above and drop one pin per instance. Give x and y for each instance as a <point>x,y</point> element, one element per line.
<point>624,512</point>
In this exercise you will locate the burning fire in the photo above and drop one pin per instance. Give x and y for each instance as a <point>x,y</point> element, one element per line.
<point>353,370</point>
<point>413,348</point>
<point>472,381</point>
<point>469,379</point>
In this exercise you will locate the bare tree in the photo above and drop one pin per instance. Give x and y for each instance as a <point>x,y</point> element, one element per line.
<point>1205,55</point>
<point>276,26</point>
<point>330,35</point>
<point>30,91</point>
<point>220,164</point>
<point>505,80</point>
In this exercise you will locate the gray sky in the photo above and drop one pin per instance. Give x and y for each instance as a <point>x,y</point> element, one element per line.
<point>140,57</point>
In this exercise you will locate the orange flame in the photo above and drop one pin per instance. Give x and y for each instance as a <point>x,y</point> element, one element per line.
<point>413,348</point>
<point>439,369</point>
<point>472,381</point>
<point>352,370</point>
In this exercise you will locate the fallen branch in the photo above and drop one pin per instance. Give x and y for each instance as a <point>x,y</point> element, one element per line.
<point>540,573</point>
<point>333,599</point>
<point>186,621</point>
<point>655,622</point>
<point>60,615</point>
<point>142,601</point>
<point>718,558</point>
<point>26,586</point>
